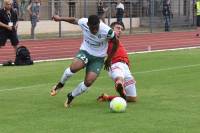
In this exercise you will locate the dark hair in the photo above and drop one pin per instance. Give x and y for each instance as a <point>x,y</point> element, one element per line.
<point>119,23</point>
<point>93,20</point>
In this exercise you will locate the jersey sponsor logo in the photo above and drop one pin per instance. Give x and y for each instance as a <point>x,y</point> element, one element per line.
<point>93,43</point>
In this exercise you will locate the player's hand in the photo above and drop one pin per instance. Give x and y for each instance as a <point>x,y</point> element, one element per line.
<point>107,64</point>
<point>56,18</point>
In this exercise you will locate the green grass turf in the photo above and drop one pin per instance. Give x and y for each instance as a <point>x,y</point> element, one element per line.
<point>168,98</point>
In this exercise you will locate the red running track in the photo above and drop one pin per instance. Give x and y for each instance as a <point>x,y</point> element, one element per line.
<point>65,48</point>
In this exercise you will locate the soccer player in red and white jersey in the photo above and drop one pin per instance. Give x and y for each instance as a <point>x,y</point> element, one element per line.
<point>119,71</point>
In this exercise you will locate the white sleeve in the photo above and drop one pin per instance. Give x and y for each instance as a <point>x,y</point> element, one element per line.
<point>82,21</point>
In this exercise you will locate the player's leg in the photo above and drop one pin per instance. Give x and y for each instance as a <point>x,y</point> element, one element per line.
<point>130,87</point>
<point>129,83</point>
<point>119,86</point>
<point>81,88</point>
<point>93,69</point>
<point>77,64</point>
<point>117,74</point>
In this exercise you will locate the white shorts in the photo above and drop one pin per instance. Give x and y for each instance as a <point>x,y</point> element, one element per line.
<point>121,69</point>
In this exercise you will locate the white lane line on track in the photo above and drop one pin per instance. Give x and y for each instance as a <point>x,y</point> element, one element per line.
<point>140,72</point>
<point>162,50</point>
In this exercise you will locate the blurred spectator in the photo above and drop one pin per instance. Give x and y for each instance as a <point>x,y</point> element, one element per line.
<point>113,8</point>
<point>197,7</point>
<point>23,7</point>
<point>120,11</point>
<point>167,14</point>
<point>145,8</point>
<point>72,8</point>
<point>101,10</point>
<point>15,6</point>
<point>8,25</point>
<point>56,7</point>
<point>1,3</point>
<point>33,10</point>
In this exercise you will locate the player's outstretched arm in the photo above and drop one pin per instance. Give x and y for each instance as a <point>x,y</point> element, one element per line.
<point>71,20</point>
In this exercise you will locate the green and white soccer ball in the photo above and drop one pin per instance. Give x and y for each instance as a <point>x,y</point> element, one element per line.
<point>118,104</point>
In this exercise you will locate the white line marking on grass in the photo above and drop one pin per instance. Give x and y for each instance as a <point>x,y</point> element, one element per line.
<point>140,72</point>
<point>163,50</point>
<point>20,88</point>
<point>166,69</point>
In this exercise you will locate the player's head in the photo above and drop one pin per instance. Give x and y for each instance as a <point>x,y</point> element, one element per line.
<point>8,4</point>
<point>93,23</point>
<point>117,27</point>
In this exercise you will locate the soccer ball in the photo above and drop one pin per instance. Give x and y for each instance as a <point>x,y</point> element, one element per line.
<point>118,104</point>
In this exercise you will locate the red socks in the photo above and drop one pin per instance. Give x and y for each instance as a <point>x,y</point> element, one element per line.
<point>109,98</point>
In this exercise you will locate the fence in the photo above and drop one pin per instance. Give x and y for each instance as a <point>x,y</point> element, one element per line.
<point>139,15</point>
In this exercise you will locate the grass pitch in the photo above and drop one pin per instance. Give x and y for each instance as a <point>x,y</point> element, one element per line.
<point>168,98</point>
